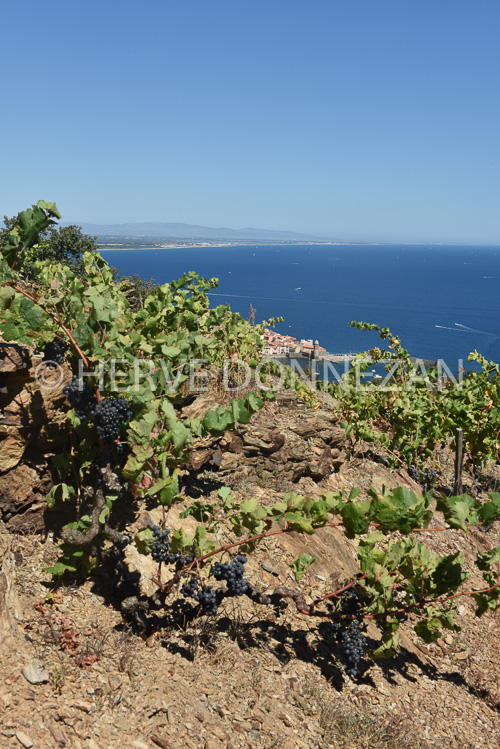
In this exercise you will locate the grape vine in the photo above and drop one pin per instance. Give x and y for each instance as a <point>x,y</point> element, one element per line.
<point>133,446</point>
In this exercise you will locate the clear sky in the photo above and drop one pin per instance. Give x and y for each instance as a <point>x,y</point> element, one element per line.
<point>351,119</point>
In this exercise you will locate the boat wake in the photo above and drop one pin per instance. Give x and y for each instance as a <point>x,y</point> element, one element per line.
<point>459,328</point>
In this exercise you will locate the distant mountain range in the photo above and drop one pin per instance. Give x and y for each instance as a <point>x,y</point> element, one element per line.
<point>188,231</point>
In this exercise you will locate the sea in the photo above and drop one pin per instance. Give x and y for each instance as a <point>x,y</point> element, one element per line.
<point>442,301</point>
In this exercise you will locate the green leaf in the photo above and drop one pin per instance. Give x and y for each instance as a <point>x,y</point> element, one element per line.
<point>401,510</point>
<point>59,569</point>
<point>144,541</point>
<point>11,331</point>
<point>448,574</point>
<point>133,468</point>
<point>390,643</point>
<point>60,492</point>
<point>144,426</point>
<point>300,565</point>
<point>457,510</point>
<point>253,402</point>
<point>490,511</point>
<point>299,523</point>
<point>180,541</point>
<point>6,296</point>
<point>199,510</point>
<point>428,630</point>
<point>333,500</point>
<point>486,559</point>
<point>104,514</point>
<point>355,518</point>
<point>224,493</point>
<point>51,208</point>
<point>279,508</point>
<point>249,505</point>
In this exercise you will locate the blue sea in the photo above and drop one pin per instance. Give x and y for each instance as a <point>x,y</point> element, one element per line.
<point>443,301</point>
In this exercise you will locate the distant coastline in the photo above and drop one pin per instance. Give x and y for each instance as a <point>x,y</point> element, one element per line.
<point>122,247</point>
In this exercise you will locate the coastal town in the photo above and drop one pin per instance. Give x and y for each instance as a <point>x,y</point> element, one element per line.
<point>276,344</point>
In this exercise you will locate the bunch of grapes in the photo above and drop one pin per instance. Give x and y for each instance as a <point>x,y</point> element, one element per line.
<point>190,589</point>
<point>414,473</point>
<point>96,471</point>
<point>234,375</point>
<point>121,453</point>
<point>350,602</point>
<point>346,627</point>
<point>81,396</point>
<point>430,477</point>
<point>354,644</point>
<point>54,351</point>
<point>109,415</point>
<point>206,596</point>
<point>232,573</point>
<point>161,549</point>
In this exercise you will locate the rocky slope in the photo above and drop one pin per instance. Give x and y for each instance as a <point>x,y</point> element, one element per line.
<point>73,675</point>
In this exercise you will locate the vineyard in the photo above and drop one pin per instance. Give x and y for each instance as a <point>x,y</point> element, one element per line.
<point>165,401</point>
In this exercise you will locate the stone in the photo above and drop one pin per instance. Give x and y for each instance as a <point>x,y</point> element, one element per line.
<point>57,735</point>
<point>14,357</point>
<point>114,681</point>
<point>198,408</point>
<point>11,452</point>
<point>270,568</point>
<point>34,673</point>
<point>16,488</point>
<point>31,521</point>
<point>141,567</point>
<point>24,739</point>
<point>323,466</point>
<point>10,607</point>
<point>86,707</point>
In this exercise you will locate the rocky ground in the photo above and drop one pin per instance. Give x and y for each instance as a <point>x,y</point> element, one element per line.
<point>74,674</point>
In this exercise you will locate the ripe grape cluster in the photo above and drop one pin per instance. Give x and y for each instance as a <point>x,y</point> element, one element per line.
<point>54,351</point>
<point>428,477</point>
<point>354,644</point>
<point>81,397</point>
<point>208,597</point>
<point>350,602</point>
<point>109,415</point>
<point>205,595</point>
<point>347,628</point>
<point>161,551</point>
<point>232,573</point>
<point>414,473</point>
<point>233,375</point>
<point>96,471</point>
<point>121,453</point>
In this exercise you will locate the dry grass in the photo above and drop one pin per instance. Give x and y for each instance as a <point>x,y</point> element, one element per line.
<point>349,727</point>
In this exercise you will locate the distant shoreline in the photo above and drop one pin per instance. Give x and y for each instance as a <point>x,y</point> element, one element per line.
<point>167,247</point>
<point>118,247</point>
<point>250,243</point>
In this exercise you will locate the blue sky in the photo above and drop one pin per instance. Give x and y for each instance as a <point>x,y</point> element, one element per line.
<point>357,120</point>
